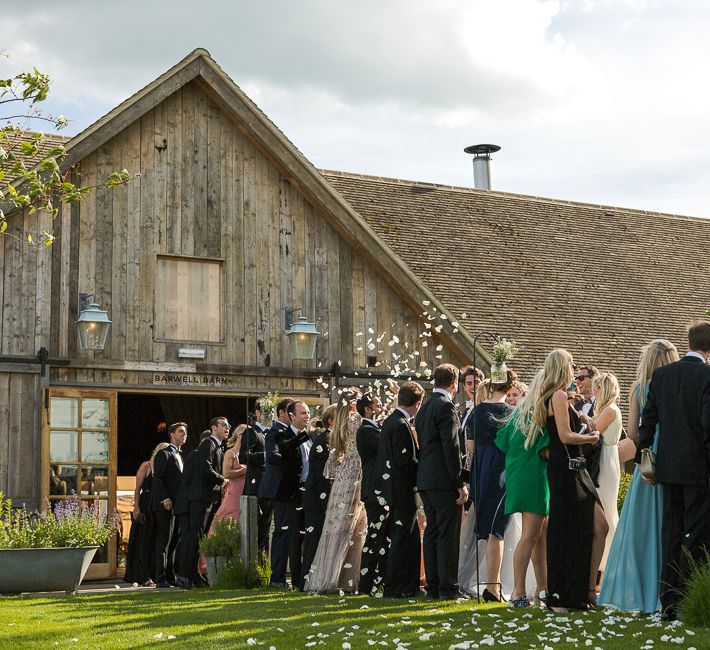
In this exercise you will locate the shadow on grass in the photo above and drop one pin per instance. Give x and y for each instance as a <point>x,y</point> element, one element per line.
<point>203,618</point>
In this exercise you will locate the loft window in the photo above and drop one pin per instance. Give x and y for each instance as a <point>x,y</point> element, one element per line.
<point>188,299</point>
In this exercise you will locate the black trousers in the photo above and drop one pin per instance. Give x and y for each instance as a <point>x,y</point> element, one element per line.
<point>372,565</point>
<point>287,542</point>
<point>266,513</point>
<point>167,537</point>
<point>440,541</point>
<point>199,516</point>
<point>685,532</point>
<point>404,556</point>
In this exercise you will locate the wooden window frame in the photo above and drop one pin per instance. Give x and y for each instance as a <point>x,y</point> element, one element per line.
<point>98,570</point>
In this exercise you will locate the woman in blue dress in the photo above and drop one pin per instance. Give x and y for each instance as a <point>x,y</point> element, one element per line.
<point>633,570</point>
<point>488,480</point>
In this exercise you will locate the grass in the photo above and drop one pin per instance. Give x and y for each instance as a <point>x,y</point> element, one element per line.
<point>283,620</point>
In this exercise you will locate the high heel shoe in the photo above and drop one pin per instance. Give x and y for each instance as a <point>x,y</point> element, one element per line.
<point>540,598</point>
<point>490,597</point>
<point>592,597</point>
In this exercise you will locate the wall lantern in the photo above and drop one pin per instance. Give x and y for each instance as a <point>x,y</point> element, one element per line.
<point>93,326</point>
<point>302,336</point>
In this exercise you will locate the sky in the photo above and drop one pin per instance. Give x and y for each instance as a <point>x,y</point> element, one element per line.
<point>600,101</point>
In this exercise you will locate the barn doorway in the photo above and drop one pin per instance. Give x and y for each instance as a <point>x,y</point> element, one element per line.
<point>142,423</point>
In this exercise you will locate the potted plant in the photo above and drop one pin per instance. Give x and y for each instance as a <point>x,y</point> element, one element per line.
<point>220,547</point>
<point>503,350</point>
<point>49,551</point>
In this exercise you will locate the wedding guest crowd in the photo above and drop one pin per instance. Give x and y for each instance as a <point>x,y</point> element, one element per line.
<point>518,486</point>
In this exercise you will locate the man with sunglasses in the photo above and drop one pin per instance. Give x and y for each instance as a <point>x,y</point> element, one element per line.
<point>583,378</point>
<point>205,494</point>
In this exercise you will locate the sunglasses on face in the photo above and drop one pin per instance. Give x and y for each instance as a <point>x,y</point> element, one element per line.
<point>582,377</point>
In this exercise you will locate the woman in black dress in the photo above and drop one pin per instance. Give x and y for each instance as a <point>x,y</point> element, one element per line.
<point>140,539</point>
<point>488,479</point>
<point>577,527</point>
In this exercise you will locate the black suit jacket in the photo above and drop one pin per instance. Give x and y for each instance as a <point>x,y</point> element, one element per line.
<point>282,477</point>
<point>207,478</point>
<point>438,426</point>
<point>397,461</point>
<point>252,453</point>
<point>367,440</point>
<point>679,401</point>
<point>316,483</point>
<point>167,477</point>
<point>181,506</point>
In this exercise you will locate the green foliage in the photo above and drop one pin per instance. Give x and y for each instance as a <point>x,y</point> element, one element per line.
<point>223,540</point>
<point>70,523</point>
<point>696,601</point>
<point>503,350</point>
<point>624,484</point>
<point>268,406</point>
<point>236,576</point>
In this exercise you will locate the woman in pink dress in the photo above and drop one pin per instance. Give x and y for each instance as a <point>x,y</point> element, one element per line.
<point>236,473</point>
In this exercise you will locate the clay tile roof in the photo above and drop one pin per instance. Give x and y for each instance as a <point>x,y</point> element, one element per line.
<point>596,280</point>
<point>48,141</point>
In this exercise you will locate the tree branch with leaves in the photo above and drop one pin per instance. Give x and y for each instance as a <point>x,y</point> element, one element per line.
<point>31,175</point>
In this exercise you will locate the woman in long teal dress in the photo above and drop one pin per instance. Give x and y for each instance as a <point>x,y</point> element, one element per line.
<point>527,492</point>
<point>633,571</point>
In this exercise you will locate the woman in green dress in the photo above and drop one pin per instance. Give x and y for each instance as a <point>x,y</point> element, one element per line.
<point>527,492</point>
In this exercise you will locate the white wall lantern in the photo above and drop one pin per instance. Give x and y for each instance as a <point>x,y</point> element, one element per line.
<point>302,337</point>
<point>93,326</point>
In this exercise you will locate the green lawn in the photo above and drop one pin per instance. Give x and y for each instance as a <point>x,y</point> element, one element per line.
<point>233,619</point>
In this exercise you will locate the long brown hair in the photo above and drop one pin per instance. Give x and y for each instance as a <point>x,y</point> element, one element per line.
<point>343,413</point>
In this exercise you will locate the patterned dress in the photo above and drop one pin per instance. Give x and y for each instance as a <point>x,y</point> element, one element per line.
<point>337,561</point>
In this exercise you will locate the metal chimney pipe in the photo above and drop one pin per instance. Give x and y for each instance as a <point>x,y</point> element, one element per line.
<point>482,173</point>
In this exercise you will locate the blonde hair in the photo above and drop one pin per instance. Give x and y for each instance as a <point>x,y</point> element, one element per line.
<point>235,435</point>
<point>657,353</point>
<point>343,413</point>
<point>522,413</point>
<point>328,414</point>
<point>556,374</point>
<point>159,447</point>
<point>609,392</point>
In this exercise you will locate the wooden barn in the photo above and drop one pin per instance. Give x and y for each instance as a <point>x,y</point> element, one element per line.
<point>228,228</point>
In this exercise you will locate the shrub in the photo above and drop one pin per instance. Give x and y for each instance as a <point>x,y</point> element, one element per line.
<point>224,541</point>
<point>235,576</point>
<point>70,523</point>
<point>696,601</point>
<point>624,484</point>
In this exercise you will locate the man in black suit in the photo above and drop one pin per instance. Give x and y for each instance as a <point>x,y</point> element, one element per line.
<point>167,477</point>
<point>367,439</point>
<point>252,453</point>
<point>440,482</point>
<point>181,507</point>
<point>203,497</point>
<point>317,488</point>
<point>679,403</point>
<point>396,479</point>
<point>287,447</point>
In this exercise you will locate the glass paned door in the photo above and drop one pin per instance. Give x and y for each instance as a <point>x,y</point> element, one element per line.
<point>79,458</point>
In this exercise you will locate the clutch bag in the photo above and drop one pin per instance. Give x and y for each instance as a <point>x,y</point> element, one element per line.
<point>648,464</point>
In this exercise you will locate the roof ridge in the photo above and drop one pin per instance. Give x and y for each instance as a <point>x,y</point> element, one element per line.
<point>541,199</point>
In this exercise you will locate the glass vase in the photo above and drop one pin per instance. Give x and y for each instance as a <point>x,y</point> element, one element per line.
<point>499,372</point>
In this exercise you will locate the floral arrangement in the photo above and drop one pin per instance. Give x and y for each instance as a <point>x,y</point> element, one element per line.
<point>268,406</point>
<point>69,524</point>
<point>503,350</point>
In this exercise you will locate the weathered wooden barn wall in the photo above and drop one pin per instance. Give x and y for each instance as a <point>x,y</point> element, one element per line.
<point>206,191</point>
<point>19,434</point>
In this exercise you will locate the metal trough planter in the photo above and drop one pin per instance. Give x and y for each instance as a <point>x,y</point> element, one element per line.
<point>44,569</point>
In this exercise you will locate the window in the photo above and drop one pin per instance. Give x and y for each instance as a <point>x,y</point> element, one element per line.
<point>188,300</point>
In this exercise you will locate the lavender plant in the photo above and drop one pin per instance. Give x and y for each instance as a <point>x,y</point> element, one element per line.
<point>71,523</point>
